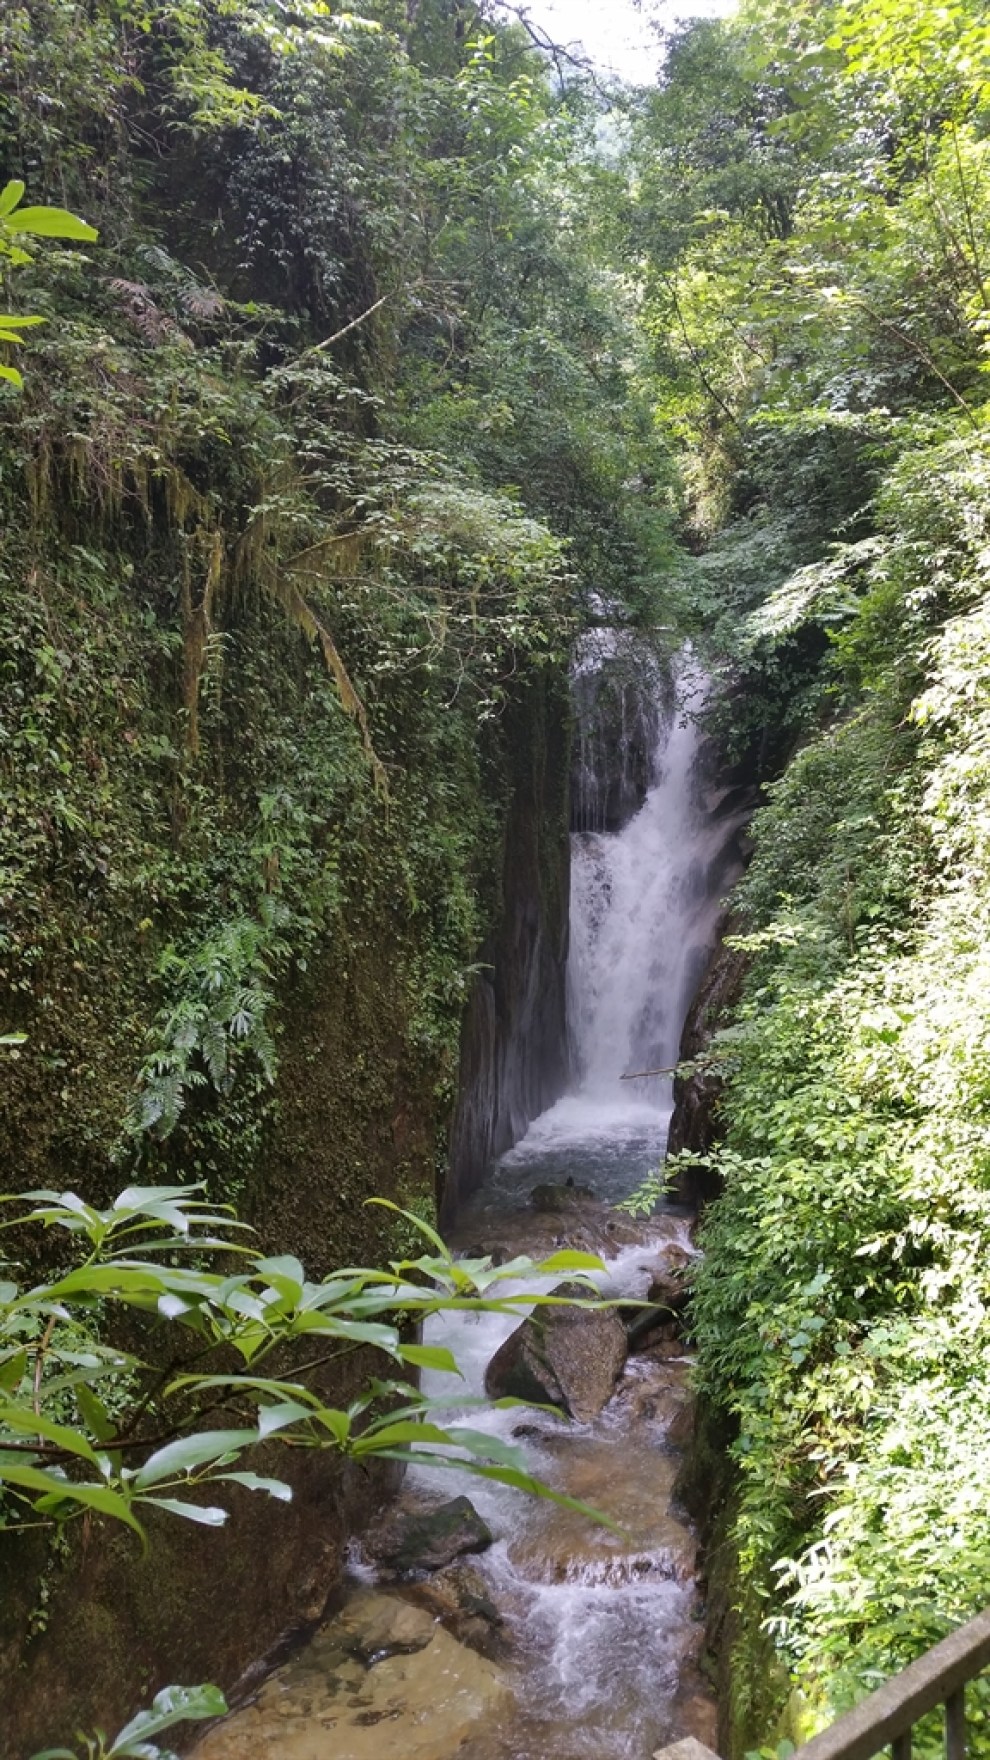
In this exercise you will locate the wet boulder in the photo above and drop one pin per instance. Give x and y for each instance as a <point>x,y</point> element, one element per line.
<point>458,1599</point>
<point>672,1286</point>
<point>428,1540</point>
<point>558,1198</point>
<point>566,1356</point>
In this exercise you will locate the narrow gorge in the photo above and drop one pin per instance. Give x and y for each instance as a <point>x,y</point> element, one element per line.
<point>508,1628</point>
<point>494,873</point>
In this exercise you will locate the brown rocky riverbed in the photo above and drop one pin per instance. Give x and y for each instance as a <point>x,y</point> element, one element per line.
<point>562,1639</point>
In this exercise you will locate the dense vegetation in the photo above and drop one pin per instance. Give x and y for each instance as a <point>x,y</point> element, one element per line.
<point>814,209</point>
<point>324,443</point>
<point>390,362</point>
<point>311,462</point>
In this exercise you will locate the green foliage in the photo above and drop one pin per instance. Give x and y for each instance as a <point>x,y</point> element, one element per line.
<point>662,1182</point>
<point>269,464</point>
<point>86,1428</point>
<point>171,1706</point>
<point>223,994</point>
<point>16,223</point>
<point>811,201</point>
<point>841,1309</point>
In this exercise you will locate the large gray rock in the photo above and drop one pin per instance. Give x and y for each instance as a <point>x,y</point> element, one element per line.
<point>427,1540</point>
<point>568,1357</point>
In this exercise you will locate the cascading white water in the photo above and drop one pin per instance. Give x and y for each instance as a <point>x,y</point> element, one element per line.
<point>643,917</point>
<point>604,1627</point>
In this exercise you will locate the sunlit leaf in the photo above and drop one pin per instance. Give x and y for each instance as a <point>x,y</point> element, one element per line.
<point>50,223</point>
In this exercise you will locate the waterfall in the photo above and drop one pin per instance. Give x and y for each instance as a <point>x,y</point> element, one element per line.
<point>644,911</point>
<point>646,899</point>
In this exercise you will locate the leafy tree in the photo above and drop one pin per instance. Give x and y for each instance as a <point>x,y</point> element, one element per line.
<point>826,364</point>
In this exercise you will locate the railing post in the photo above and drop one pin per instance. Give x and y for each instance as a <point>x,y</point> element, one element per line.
<point>900,1747</point>
<point>955,1726</point>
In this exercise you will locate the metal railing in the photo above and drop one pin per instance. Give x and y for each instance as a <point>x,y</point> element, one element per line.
<point>887,1718</point>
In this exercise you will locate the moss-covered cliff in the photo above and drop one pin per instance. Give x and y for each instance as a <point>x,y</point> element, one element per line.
<point>284,728</point>
<point>153,897</point>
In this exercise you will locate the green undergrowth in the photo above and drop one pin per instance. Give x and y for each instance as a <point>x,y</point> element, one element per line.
<point>159,912</point>
<point>842,1308</point>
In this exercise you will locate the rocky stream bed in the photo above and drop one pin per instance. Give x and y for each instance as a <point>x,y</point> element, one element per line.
<point>487,1625</point>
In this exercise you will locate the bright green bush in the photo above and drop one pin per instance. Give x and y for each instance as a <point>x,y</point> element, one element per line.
<point>843,1310</point>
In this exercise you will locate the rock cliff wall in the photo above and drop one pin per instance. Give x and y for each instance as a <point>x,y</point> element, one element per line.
<point>514,1042</point>
<point>467,864</point>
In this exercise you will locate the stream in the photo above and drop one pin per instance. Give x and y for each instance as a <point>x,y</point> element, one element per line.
<point>564,1640</point>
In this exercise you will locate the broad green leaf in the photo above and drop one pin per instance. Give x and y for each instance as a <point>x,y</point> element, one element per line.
<point>130,1281</point>
<point>10,195</point>
<point>338,1423</point>
<point>570,1260</point>
<point>430,1356</point>
<point>285,1274</point>
<point>207,1515</point>
<point>406,1430</point>
<point>133,1197</point>
<point>189,1452</point>
<point>55,1491</point>
<point>50,223</point>
<point>172,1705</point>
<point>29,1423</point>
<point>94,1413</point>
<point>11,375</point>
<point>272,1419</point>
<point>284,1391</point>
<point>172,1307</point>
<point>255,1482</point>
<point>385,1338</point>
<point>12,1371</point>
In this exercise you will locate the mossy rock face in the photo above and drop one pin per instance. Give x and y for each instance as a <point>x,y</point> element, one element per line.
<point>381,913</point>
